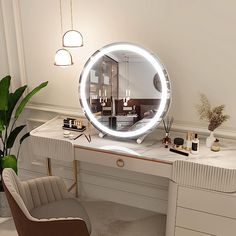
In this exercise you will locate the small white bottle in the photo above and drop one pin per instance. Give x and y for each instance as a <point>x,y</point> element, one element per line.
<point>195,145</point>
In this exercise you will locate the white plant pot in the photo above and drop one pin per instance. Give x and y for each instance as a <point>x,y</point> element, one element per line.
<point>4,207</point>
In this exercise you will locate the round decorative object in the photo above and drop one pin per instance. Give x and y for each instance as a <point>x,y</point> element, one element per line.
<point>103,88</point>
<point>157,82</point>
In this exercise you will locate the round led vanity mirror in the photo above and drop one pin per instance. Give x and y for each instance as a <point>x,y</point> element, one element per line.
<point>124,90</point>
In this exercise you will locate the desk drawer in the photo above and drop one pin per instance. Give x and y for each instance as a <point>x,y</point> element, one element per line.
<point>223,204</point>
<point>206,223</point>
<point>123,162</point>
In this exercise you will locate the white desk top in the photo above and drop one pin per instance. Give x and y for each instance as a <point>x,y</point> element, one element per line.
<point>151,148</point>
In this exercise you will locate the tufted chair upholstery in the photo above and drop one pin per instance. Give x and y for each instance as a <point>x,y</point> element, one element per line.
<point>43,206</point>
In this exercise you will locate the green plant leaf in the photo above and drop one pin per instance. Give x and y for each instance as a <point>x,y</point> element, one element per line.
<point>4,91</point>
<point>12,137</point>
<point>12,101</point>
<point>27,98</point>
<point>24,137</point>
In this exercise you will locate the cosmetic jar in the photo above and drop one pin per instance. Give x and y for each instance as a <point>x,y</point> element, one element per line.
<point>215,146</point>
<point>178,143</point>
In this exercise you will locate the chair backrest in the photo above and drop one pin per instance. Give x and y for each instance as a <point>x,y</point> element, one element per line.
<point>34,192</point>
<point>14,187</point>
<point>20,213</point>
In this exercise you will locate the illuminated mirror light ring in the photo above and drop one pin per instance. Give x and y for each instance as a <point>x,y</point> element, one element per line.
<point>155,62</point>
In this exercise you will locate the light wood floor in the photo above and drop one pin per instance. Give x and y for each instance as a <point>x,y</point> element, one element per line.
<point>111,219</point>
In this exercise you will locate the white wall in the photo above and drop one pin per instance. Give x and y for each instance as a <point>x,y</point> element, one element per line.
<point>3,53</point>
<point>195,40</point>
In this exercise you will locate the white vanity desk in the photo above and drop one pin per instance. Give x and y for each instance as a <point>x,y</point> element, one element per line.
<point>200,201</point>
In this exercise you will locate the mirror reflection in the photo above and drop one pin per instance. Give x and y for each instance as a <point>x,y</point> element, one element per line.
<point>124,90</point>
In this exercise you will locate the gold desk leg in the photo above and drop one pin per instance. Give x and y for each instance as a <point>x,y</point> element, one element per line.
<point>75,176</point>
<point>49,167</point>
<point>75,165</point>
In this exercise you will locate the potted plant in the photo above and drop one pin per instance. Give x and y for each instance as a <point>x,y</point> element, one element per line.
<point>11,106</point>
<point>214,116</point>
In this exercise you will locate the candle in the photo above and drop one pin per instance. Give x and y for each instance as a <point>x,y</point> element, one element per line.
<point>99,92</point>
<point>105,92</point>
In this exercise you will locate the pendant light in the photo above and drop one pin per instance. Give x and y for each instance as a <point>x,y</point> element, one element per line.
<point>62,57</point>
<point>72,38</point>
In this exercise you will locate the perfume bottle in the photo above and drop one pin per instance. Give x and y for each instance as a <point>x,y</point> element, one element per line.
<point>188,141</point>
<point>167,140</point>
<point>195,145</point>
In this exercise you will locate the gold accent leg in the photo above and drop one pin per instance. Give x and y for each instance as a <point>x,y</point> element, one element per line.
<point>75,176</point>
<point>75,171</point>
<point>49,167</point>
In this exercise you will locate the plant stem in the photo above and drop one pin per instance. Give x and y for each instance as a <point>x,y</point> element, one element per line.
<point>5,143</point>
<point>2,140</point>
<point>18,152</point>
<point>13,124</point>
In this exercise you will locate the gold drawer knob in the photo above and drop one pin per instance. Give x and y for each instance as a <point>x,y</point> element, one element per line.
<point>120,163</point>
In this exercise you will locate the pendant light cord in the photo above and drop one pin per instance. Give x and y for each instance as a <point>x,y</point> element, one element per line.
<point>71,15</point>
<point>61,19</point>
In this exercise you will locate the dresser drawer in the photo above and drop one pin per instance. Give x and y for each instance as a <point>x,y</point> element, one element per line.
<point>186,232</point>
<point>223,204</point>
<point>123,162</point>
<point>205,223</point>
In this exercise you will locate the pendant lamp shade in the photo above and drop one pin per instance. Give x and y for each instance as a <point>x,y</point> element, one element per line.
<point>72,39</point>
<point>63,58</point>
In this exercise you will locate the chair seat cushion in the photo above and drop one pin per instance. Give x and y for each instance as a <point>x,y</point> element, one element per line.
<point>68,207</point>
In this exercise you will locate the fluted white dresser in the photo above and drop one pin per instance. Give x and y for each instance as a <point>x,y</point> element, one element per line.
<point>202,188</point>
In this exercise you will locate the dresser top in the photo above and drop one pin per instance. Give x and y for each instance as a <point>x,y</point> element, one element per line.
<point>150,149</point>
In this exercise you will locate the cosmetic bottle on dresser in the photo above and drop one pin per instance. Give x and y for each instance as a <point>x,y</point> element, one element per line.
<point>188,141</point>
<point>195,145</point>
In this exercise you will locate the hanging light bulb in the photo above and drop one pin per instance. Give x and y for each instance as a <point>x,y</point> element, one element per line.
<point>63,58</point>
<point>72,38</point>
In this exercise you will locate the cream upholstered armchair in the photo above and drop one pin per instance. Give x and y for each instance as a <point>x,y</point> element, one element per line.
<point>43,207</point>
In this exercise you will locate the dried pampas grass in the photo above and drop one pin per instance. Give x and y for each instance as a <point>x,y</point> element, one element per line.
<point>214,115</point>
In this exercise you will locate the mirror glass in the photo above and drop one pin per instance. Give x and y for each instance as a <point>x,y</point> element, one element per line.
<point>124,90</point>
